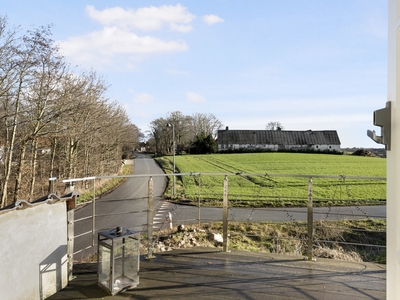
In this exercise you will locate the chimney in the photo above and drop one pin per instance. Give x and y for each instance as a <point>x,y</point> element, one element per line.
<point>227,128</point>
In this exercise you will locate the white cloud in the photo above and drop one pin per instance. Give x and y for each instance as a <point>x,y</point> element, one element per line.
<point>119,46</point>
<point>111,41</point>
<point>181,28</point>
<point>194,98</point>
<point>177,17</point>
<point>143,98</point>
<point>212,19</point>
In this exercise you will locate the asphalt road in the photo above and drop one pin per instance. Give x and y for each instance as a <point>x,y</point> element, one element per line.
<point>125,206</point>
<point>190,214</point>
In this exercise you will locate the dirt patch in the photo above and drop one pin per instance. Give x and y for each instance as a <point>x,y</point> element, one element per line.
<point>364,152</point>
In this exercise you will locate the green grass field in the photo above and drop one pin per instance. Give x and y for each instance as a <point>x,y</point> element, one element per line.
<point>259,183</point>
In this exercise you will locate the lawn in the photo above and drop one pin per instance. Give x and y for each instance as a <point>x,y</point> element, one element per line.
<point>266,178</point>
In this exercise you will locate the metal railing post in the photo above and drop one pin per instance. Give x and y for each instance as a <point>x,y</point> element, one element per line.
<point>71,203</point>
<point>310,220</point>
<point>93,212</point>
<point>199,200</point>
<point>225,216</point>
<point>150,219</point>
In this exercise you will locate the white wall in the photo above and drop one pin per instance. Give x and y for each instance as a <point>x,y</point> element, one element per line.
<point>326,147</point>
<point>393,156</point>
<point>33,259</point>
<point>276,147</point>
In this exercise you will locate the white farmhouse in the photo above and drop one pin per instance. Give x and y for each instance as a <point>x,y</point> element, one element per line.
<point>274,140</point>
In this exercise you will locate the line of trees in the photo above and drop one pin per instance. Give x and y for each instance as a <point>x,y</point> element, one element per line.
<point>54,122</point>
<point>195,134</point>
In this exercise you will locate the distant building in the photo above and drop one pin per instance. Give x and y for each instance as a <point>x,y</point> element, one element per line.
<point>274,140</point>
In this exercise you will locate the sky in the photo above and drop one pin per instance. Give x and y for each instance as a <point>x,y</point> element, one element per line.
<point>311,64</point>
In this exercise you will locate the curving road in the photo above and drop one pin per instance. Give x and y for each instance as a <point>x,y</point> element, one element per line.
<point>125,206</point>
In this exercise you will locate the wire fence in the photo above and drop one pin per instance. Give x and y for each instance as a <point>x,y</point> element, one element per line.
<point>322,215</point>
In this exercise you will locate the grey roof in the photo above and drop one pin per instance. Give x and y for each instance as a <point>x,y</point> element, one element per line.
<point>278,137</point>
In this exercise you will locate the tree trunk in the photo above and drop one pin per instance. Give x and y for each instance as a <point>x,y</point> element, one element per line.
<point>52,159</point>
<point>11,145</point>
<point>18,177</point>
<point>33,169</point>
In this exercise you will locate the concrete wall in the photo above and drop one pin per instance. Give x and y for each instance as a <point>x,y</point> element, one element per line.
<point>33,260</point>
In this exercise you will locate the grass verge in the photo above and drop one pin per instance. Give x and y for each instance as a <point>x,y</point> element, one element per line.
<point>107,187</point>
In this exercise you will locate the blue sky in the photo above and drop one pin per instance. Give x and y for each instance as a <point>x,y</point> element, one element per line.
<point>319,65</point>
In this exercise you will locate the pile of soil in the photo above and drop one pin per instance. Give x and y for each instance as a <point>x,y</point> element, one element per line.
<point>363,152</point>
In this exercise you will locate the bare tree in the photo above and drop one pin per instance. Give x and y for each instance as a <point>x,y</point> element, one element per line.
<point>275,125</point>
<point>160,136</point>
<point>41,102</point>
<point>43,105</point>
<point>206,124</point>
<point>18,73</point>
<point>184,133</point>
<point>8,81</point>
<point>187,129</point>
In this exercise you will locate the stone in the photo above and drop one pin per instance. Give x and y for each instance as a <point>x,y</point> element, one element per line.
<point>215,237</point>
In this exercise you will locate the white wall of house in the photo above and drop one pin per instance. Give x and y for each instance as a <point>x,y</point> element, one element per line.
<point>33,259</point>
<point>327,147</point>
<point>247,146</point>
<point>225,147</point>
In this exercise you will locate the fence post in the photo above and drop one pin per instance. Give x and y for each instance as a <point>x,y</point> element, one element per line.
<point>310,220</point>
<point>71,204</point>
<point>93,211</point>
<point>199,200</point>
<point>150,219</point>
<point>225,216</point>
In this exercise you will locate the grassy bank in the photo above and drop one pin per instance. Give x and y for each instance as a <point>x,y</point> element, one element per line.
<point>106,186</point>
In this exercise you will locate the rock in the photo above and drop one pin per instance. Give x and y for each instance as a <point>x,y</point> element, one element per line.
<point>215,237</point>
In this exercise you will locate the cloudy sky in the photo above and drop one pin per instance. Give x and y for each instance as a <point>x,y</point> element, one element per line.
<point>311,64</point>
